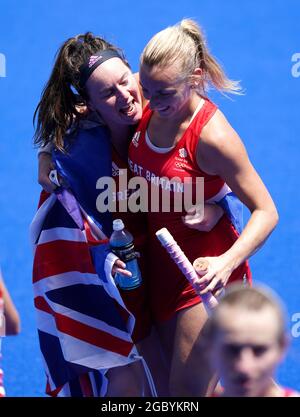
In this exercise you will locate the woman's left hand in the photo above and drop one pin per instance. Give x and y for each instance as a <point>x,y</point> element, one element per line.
<point>215,277</point>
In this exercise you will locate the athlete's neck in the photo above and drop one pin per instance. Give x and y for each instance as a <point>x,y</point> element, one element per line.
<point>120,137</point>
<point>167,131</point>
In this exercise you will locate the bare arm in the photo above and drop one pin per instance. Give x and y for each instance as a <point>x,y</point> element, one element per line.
<point>221,152</point>
<point>45,165</point>
<point>12,320</point>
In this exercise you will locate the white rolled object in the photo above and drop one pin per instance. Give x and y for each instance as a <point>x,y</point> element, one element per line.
<point>178,256</point>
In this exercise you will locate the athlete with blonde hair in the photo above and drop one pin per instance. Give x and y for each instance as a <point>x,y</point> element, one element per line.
<point>183,135</point>
<point>247,340</point>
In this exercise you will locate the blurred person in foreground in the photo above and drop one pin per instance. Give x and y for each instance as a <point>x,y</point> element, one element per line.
<point>247,341</point>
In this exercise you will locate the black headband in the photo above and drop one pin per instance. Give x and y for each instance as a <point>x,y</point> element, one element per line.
<point>94,61</point>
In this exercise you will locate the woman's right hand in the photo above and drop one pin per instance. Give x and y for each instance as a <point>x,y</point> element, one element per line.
<point>45,166</point>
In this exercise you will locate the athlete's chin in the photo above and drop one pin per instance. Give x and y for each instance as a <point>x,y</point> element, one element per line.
<point>244,389</point>
<point>131,120</point>
<point>166,112</point>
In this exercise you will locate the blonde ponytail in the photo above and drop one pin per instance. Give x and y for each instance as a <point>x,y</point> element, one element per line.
<point>184,44</point>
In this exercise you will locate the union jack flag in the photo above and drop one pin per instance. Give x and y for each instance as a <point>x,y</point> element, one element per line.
<point>84,327</point>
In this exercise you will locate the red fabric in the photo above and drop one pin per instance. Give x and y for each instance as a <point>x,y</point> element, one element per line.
<point>86,385</point>
<point>53,257</point>
<point>169,289</point>
<point>75,311</point>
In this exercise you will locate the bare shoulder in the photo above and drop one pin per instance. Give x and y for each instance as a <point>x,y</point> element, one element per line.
<point>218,131</point>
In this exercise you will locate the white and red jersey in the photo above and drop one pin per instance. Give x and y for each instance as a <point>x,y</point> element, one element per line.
<point>170,291</point>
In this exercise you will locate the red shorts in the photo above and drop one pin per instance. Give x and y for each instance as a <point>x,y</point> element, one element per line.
<point>160,304</point>
<point>170,291</point>
<point>164,308</point>
<point>165,289</point>
<point>136,300</point>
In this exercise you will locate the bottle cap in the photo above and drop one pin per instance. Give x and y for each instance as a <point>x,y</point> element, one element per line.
<point>118,225</point>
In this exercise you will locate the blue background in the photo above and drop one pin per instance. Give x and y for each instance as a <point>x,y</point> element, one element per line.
<point>254,40</point>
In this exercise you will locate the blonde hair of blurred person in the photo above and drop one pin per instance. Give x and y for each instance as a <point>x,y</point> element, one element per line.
<point>247,341</point>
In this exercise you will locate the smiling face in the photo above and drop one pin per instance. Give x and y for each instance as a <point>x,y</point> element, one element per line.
<point>168,94</point>
<point>113,92</point>
<point>246,350</point>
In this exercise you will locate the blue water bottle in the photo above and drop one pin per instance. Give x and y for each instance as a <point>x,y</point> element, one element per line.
<point>121,244</point>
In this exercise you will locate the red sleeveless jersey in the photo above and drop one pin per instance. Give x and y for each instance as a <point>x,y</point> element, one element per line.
<point>169,289</point>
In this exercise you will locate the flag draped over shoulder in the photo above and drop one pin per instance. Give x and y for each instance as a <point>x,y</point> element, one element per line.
<point>82,322</point>
<point>84,327</point>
